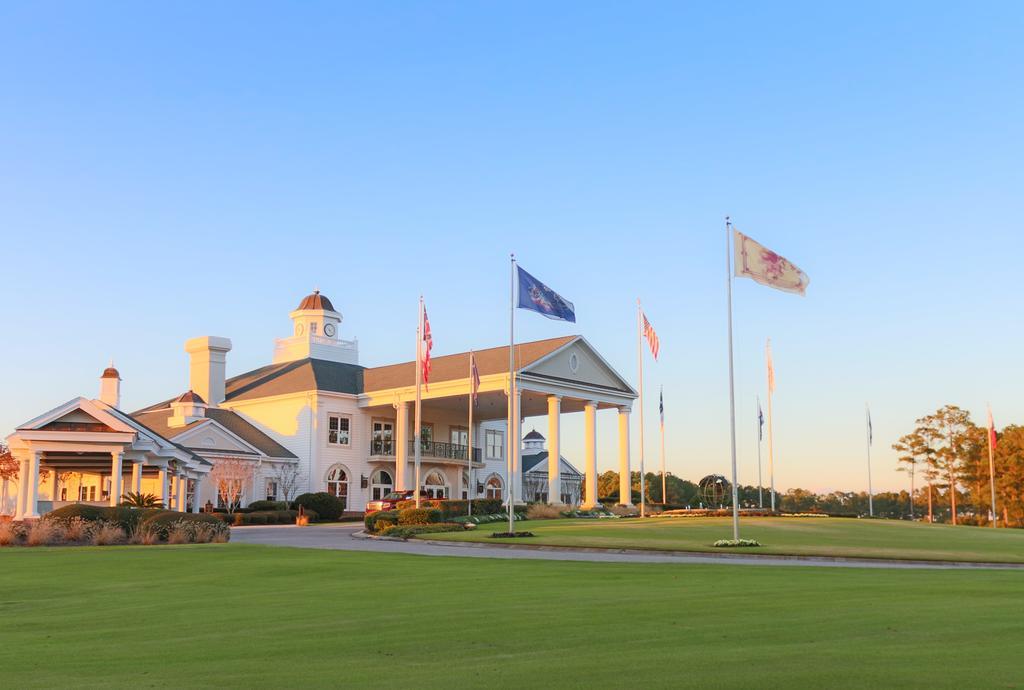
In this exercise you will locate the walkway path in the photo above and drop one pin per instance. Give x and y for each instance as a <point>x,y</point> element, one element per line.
<point>344,537</point>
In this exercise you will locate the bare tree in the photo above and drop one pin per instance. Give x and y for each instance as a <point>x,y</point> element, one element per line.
<point>8,472</point>
<point>230,476</point>
<point>287,477</point>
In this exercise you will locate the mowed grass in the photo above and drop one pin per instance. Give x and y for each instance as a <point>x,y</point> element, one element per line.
<point>796,536</point>
<point>242,616</point>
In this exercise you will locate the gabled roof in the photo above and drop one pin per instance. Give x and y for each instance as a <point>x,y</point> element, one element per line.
<point>296,377</point>
<point>493,360</point>
<point>535,460</point>
<point>157,419</point>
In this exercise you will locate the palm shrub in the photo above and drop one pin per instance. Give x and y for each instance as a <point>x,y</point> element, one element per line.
<point>140,500</point>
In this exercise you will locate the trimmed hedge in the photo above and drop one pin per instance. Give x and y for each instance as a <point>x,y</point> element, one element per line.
<point>263,517</point>
<point>268,505</point>
<point>374,521</point>
<point>124,517</point>
<point>326,506</point>
<point>419,516</point>
<point>454,507</point>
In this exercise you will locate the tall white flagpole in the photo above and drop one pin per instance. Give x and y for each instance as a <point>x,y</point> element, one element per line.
<point>992,464</point>
<point>513,422</point>
<point>469,443</point>
<point>771,447</point>
<point>417,449</point>
<point>760,484</point>
<point>871,494</point>
<point>640,375</point>
<point>732,386</point>
<point>661,410</point>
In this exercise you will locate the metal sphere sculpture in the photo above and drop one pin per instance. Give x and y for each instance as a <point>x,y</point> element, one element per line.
<point>714,489</point>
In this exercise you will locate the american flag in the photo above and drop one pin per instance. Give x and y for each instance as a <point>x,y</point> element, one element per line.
<point>428,342</point>
<point>474,377</point>
<point>652,337</point>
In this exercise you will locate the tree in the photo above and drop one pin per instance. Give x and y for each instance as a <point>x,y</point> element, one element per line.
<point>287,477</point>
<point>946,433</point>
<point>8,471</point>
<point>910,447</point>
<point>230,476</point>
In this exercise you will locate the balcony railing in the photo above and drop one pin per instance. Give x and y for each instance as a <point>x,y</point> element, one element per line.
<point>429,449</point>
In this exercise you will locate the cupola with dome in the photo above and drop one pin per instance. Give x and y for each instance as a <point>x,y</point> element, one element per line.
<point>315,329</point>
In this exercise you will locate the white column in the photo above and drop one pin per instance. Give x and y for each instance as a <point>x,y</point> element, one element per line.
<point>116,467</point>
<point>625,481</point>
<point>590,445</point>
<point>137,477</point>
<point>163,495</point>
<point>32,488</point>
<point>197,494</point>
<point>401,445</point>
<point>179,493</point>
<point>554,449</point>
<point>21,500</point>
<point>517,459</point>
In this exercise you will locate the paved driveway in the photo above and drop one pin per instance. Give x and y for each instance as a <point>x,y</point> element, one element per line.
<point>342,537</point>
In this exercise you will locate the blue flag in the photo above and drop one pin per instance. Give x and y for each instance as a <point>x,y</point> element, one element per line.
<point>536,296</point>
<point>760,422</point>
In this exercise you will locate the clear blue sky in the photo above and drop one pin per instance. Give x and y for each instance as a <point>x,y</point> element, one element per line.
<point>196,168</point>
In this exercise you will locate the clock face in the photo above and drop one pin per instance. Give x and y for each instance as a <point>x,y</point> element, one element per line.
<point>329,330</point>
<point>298,329</point>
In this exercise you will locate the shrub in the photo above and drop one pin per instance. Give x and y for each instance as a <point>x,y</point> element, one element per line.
<point>419,516</point>
<point>268,505</point>
<point>106,533</point>
<point>256,519</point>
<point>543,511</point>
<point>373,521</point>
<point>328,507</point>
<point>406,531</point>
<point>125,517</point>
<point>43,532</point>
<point>161,522</point>
<point>10,533</point>
<point>179,533</point>
<point>728,543</point>
<point>486,506</point>
<point>75,529</point>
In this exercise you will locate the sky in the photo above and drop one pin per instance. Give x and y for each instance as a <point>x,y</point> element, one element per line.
<point>185,169</point>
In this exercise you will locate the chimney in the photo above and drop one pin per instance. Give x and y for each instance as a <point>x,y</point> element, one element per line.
<point>110,386</point>
<point>207,367</point>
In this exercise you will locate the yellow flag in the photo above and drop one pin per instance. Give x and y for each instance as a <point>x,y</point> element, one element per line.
<point>757,262</point>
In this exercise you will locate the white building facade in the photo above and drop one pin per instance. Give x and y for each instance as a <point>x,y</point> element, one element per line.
<point>314,419</point>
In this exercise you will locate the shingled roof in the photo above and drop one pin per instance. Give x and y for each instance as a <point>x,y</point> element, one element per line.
<point>453,367</point>
<point>157,421</point>
<point>294,377</point>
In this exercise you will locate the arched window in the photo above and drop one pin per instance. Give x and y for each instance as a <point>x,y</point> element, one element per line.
<point>380,485</point>
<point>493,487</point>
<point>466,491</point>
<point>337,483</point>
<point>435,486</point>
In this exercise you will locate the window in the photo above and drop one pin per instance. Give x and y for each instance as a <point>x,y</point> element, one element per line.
<point>87,493</point>
<point>495,444</point>
<point>312,328</point>
<point>380,485</point>
<point>493,487</point>
<point>460,435</point>
<point>338,433</point>
<point>382,434</point>
<point>337,484</point>
<point>465,485</point>
<point>271,490</point>
<point>435,486</point>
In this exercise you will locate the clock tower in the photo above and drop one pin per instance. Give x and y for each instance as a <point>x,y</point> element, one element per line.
<point>315,330</point>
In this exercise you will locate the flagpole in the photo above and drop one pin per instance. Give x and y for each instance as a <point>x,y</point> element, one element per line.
<point>771,445</point>
<point>871,494</point>
<point>512,422</point>
<point>760,484</point>
<point>664,494</point>
<point>469,443</point>
<point>732,386</point>
<point>992,464</point>
<point>640,375</point>
<point>417,449</point>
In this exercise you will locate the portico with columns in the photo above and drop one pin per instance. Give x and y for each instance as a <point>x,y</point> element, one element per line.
<point>555,377</point>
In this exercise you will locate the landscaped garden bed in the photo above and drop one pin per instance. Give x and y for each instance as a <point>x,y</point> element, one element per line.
<point>84,525</point>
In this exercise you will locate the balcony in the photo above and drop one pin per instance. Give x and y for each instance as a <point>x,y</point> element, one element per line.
<point>434,450</point>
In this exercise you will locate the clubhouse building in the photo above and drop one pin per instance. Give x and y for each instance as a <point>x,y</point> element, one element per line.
<point>315,420</point>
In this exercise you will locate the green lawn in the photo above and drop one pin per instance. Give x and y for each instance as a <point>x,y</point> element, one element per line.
<point>261,617</point>
<point>800,536</point>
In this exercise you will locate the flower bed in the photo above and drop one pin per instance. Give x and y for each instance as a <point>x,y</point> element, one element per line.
<point>147,527</point>
<point>734,543</point>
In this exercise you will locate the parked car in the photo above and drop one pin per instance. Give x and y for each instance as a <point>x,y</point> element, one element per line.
<point>391,500</point>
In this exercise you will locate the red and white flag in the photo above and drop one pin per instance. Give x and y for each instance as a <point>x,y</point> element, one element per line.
<point>652,337</point>
<point>991,430</point>
<point>474,377</point>
<point>755,261</point>
<point>771,367</point>
<point>428,342</point>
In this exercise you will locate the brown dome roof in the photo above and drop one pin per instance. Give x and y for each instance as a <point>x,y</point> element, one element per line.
<point>315,301</point>
<point>190,397</point>
<point>110,373</point>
